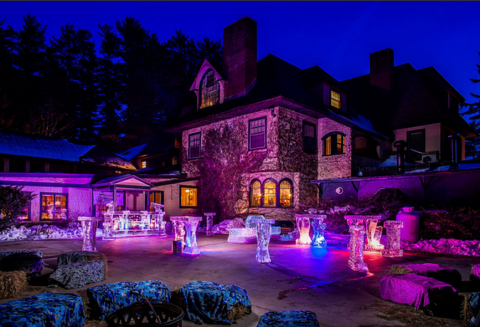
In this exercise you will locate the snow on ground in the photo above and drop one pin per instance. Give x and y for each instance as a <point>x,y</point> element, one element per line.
<point>223,227</point>
<point>445,246</point>
<point>43,232</point>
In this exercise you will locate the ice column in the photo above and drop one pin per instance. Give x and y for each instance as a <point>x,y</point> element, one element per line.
<point>178,230</point>
<point>357,236</point>
<point>191,235</point>
<point>303,225</point>
<point>318,239</point>
<point>393,238</point>
<point>263,227</point>
<point>374,234</point>
<point>89,228</point>
<point>209,218</point>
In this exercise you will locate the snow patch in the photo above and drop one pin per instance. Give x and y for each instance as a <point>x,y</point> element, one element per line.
<point>224,226</point>
<point>44,232</point>
<point>445,246</point>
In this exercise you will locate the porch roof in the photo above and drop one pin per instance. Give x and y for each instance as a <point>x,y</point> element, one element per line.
<point>123,181</point>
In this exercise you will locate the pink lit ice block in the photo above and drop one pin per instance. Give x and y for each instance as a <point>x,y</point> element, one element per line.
<point>357,239</point>
<point>191,224</point>
<point>303,225</point>
<point>393,249</point>
<point>89,231</point>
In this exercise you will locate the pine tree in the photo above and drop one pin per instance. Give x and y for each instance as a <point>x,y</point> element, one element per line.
<point>473,110</point>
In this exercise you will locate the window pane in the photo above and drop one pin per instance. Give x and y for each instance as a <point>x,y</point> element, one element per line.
<point>270,189</point>
<point>60,207</point>
<point>47,207</point>
<point>335,100</point>
<point>194,143</point>
<point>285,194</point>
<point>188,197</point>
<point>309,130</point>
<point>256,194</point>
<point>257,134</point>
<point>210,92</point>
<point>328,146</point>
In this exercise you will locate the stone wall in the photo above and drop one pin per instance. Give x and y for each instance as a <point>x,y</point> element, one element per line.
<point>339,165</point>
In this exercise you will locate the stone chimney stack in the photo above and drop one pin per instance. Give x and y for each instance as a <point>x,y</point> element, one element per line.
<point>240,56</point>
<point>381,69</point>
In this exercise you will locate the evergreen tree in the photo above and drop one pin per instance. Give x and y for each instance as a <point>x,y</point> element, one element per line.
<point>8,73</point>
<point>473,110</point>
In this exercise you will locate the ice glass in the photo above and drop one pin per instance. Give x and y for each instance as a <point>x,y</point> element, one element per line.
<point>393,228</point>
<point>303,225</point>
<point>263,227</point>
<point>318,238</point>
<point>374,234</point>
<point>357,237</point>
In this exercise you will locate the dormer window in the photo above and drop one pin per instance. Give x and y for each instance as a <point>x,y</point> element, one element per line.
<point>210,90</point>
<point>335,99</point>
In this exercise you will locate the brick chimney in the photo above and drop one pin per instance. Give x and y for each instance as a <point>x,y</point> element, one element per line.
<point>240,56</point>
<point>381,69</point>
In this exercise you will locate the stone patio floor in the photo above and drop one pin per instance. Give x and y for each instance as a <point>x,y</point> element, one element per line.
<point>298,278</point>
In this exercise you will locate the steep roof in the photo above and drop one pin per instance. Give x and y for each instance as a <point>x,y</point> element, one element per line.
<point>133,152</point>
<point>276,79</point>
<point>418,99</point>
<point>33,146</point>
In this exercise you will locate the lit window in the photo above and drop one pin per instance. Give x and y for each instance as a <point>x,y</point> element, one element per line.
<point>335,100</point>
<point>270,189</point>
<point>309,138</point>
<point>286,194</point>
<point>194,145</point>
<point>188,197</point>
<point>174,160</point>
<point>210,90</point>
<point>144,164</point>
<point>156,197</point>
<point>256,194</point>
<point>26,210</point>
<point>54,206</point>
<point>334,143</point>
<point>257,134</point>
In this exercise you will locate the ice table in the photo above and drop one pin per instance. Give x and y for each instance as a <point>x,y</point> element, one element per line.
<point>355,262</point>
<point>89,227</point>
<point>209,215</point>
<point>191,224</point>
<point>318,239</point>
<point>264,230</point>
<point>303,225</point>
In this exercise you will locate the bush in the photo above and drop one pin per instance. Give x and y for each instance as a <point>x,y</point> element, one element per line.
<point>12,205</point>
<point>459,223</point>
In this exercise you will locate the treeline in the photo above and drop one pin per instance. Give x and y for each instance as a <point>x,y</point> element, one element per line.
<point>117,96</point>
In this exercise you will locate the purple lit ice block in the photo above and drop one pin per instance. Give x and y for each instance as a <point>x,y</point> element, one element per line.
<point>415,290</point>
<point>357,239</point>
<point>191,224</point>
<point>263,227</point>
<point>242,235</point>
<point>393,239</point>
<point>89,231</point>
<point>209,218</point>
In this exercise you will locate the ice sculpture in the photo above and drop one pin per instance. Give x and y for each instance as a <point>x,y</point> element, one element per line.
<point>89,230</point>
<point>312,211</point>
<point>374,234</point>
<point>242,235</point>
<point>178,230</point>
<point>393,228</point>
<point>303,225</point>
<point>263,227</point>
<point>190,223</point>
<point>209,229</point>
<point>318,239</point>
<point>123,223</point>
<point>357,239</point>
<point>159,214</point>
<point>251,224</point>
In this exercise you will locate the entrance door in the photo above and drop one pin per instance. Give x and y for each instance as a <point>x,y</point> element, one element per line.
<point>415,144</point>
<point>135,201</point>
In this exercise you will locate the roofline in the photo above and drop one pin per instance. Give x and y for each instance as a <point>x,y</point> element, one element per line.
<point>45,175</point>
<point>176,181</point>
<point>120,180</point>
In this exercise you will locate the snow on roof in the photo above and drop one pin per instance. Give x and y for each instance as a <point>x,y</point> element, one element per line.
<point>41,147</point>
<point>131,153</point>
<point>392,162</point>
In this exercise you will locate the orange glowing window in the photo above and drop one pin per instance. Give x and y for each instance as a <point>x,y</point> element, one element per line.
<point>286,194</point>
<point>270,190</point>
<point>210,90</point>
<point>256,195</point>
<point>334,143</point>
<point>335,99</point>
<point>188,197</point>
<point>54,206</point>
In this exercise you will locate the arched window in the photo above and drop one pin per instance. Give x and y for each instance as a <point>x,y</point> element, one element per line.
<point>210,90</point>
<point>255,193</point>
<point>286,193</point>
<point>270,193</point>
<point>333,143</point>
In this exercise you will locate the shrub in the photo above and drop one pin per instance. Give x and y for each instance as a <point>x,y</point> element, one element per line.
<point>459,223</point>
<point>12,205</point>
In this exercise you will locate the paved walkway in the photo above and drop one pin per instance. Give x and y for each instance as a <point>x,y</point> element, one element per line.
<point>298,278</point>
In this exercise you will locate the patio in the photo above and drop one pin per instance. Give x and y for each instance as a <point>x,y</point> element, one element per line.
<point>298,278</point>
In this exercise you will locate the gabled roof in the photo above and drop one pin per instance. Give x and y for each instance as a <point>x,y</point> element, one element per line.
<point>205,66</point>
<point>34,146</point>
<point>123,181</point>
<point>132,153</point>
<point>276,80</point>
<point>417,100</point>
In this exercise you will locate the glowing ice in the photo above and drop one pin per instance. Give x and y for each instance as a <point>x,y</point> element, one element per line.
<point>357,236</point>
<point>303,225</point>
<point>209,219</point>
<point>159,214</point>
<point>89,227</point>
<point>124,223</point>
<point>393,238</point>
<point>190,224</point>
<point>318,239</point>
<point>263,227</point>
<point>374,234</point>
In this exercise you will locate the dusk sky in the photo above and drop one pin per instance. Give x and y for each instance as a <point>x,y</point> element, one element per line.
<point>337,36</point>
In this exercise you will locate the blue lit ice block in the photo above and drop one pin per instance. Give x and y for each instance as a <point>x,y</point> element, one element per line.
<point>318,238</point>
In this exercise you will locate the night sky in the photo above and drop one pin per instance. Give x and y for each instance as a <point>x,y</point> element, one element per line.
<point>337,36</point>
